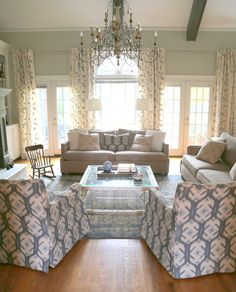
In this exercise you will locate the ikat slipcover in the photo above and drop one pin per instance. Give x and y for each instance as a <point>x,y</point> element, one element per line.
<point>196,233</point>
<point>37,230</point>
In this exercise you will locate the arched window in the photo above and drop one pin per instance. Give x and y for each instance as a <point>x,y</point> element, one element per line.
<point>117,87</point>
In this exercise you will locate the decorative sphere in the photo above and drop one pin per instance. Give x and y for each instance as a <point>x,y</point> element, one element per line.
<point>107,166</point>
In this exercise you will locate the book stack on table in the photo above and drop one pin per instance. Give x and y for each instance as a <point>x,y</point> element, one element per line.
<point>126,168</point>
<point>123,169</point>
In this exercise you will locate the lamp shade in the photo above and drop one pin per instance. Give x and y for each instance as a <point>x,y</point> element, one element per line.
<point>93,104</point>
<point>143,104</point>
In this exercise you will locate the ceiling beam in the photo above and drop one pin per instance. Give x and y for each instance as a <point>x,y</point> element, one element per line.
<point>195,19</point>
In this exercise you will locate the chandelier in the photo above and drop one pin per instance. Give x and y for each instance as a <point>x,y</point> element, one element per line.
<point>119,37</point>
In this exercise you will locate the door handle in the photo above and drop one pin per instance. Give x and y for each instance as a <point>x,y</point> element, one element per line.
<point>54,121</point>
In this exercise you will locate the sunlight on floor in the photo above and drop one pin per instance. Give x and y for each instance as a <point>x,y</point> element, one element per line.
<point>174,165</point>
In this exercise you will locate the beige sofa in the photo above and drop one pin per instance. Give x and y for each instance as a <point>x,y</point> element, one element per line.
<point>195,170</point>
<point>76,161</point>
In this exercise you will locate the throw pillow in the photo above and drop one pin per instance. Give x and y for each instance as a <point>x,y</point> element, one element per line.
<point>158,138</point>
<point>233,172</point>
<point>73,137</point>
<point>218,139</point>
<point>89,142</point>
<point>211,151</point>
<point>116,142</point>
<point>229,156</point>
<point>132,134</point>
<point>141,143</point>
<point>101,135</point>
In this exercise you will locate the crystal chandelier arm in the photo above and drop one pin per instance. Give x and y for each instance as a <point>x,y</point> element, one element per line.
<point>119,37</point>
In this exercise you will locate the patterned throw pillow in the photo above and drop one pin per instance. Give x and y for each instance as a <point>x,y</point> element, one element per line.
<point>101,135</point>
<point>116,142</point>
<point>88,142</point>
<point>141,143</point>
<point>131,133</point>
<point>211,151</point>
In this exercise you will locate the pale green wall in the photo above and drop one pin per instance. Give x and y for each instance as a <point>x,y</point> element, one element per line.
<point>182,57</point>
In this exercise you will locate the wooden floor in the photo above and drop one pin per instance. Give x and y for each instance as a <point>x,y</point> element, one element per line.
<point>109,265</point>
<point>173,169</point>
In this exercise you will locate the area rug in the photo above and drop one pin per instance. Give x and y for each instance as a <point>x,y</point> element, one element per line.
<point>118,224</point>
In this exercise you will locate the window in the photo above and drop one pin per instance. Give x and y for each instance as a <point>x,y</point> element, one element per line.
<point>186,111</point>
<point>172,115</point>
<point>198,115</point>
<point>64,121</point>
<point>41,92</point>
<point>117,87</point>
<point>54,97</point>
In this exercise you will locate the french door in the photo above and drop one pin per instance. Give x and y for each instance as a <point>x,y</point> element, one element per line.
<point>54,98</point>
<point>186,113</point>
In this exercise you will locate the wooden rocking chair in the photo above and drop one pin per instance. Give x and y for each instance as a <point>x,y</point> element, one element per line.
<point>40,164</point>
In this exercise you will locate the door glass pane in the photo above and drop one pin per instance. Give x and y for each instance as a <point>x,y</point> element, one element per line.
<point>198,115</point>
<point>64,120</point>
<point>118,104</point>
<point>43,115</point>
<point>171,116</point>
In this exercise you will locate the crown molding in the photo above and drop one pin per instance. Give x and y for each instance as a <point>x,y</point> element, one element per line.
<point>61,29</point>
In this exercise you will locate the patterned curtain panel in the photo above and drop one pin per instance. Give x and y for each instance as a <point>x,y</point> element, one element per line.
<point>24,74</point>
<point>224,93</point>
<point>82,86</point>
<point>151,86</point>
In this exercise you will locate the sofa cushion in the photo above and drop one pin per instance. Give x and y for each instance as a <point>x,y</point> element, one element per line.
<point>229,155</point>
<point>211,151</point>
<point>89,141</point>
<point>132,134</point>
<point>233,172</point>
<point>158,138</point>
<point>140,157</point>
<point>206,176</point>
<point>141,143</point>
<point>101,135</point>
<point>95,155</point>
<point>116,142</point>
<point>193,164</point>
<point>73,137</point>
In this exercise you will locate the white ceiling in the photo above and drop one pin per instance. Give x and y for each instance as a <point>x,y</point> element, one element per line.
<point>20,15</point>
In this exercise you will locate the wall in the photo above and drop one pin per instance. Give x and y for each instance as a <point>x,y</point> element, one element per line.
<point>182,57</point>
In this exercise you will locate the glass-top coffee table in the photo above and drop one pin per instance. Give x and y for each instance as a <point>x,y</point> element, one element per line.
<point>117,193</point>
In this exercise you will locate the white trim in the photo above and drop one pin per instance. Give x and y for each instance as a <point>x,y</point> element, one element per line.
<point>84,29</point>
<point>184,78</point>
<point>52,78</point>
<point>116,77</point>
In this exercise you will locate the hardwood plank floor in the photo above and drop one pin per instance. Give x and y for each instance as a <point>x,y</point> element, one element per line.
<point>109,265</point>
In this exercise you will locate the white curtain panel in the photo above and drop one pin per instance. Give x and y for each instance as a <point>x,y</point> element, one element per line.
<point>151,87</point>
<point>82,80</point>
<point>224,93</point>
<point>28,105</point>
